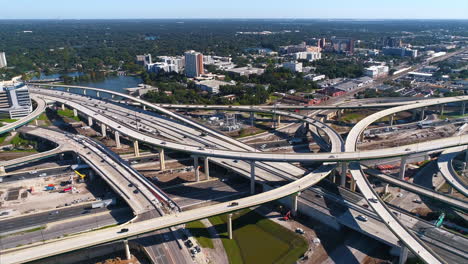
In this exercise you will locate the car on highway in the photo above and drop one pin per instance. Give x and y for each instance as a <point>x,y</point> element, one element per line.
<point>233,204</point>
<point>54,213</point>
<point>417,201</point>
<point>373,200</point>
<point>198,249</point>
<point>135,191</point>
<point>300,231</point>
<point>123,230</point>
<point>362,218</point>
<point>201,148</point>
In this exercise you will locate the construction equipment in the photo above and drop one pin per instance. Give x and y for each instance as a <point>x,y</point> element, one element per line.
<point>287,216</point>
<point>82,176</point>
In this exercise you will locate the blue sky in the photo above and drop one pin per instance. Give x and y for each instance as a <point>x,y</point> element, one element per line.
<point>370,9</point>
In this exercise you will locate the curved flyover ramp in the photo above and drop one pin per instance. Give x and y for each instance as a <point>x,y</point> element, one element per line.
<point>444,162</point>
<point>41,106</point>
<point>405,235</point>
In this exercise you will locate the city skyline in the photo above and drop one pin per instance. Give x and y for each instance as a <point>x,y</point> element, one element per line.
<point>209,9</point>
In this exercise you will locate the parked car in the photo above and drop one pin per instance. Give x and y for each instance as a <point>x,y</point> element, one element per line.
<point>362,218</point>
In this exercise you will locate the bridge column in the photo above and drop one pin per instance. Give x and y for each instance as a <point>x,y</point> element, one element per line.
<point>207,168</point>
<point>136,148</point>
<point>361,137</point>
<point>338,114</point>
<point>84,91</point>
<point>229,223</point>
<point>294,199</point>
<point>2,170</point>
<point>252,177</point>
<point>463,107</point>
<point>403,254</point>
<point>98,94</point>
<point>422,113</point>
<point>252,118</point>
<point>441,109</point>
<point>68,90</point>
<point>103,130</point>
<point>91,175</point>
<point>75,112</point>
<point>279,121</point>
<point>344,169</point>
<point>117,139</point>
<point>450,189</point>
<point>196,167</point>
<point>144,107</point>
<point>353,185</point>
<point>162,159</point>
<point>392,117</point>
<point>63,106</point>
<point>402,168</point>
<point>35,122</point>
<point>90,121</point>
<point>127,250</point>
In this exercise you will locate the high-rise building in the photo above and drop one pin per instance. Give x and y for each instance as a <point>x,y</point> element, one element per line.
<point>343,45</point>
<point>144,59</point>
<point>193,64</point>
<point>3,61</point>
<point>393,42</point>
<point>321,43</point>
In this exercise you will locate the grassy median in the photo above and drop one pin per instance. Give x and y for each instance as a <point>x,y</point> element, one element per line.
<point>199,231</point>
<point>258,240</point>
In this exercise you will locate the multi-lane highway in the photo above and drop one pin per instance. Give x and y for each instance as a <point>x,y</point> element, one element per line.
<point>444,162</point>
<point>40,108</point>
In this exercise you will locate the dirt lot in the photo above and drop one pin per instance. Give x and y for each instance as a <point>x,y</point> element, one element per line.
<point>28,195</point>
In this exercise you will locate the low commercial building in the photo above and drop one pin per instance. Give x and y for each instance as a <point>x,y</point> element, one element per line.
<point>212,86</point>
<point>293,66</point>
<point>402,52</point>
<point>306,55</point>
<point>315,77</point>
<point>15,101</point>
<point>247,71</point>
<point>376,71</point>
<point>332,91</point>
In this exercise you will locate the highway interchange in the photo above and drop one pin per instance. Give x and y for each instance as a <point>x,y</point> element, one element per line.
<point>227,152</point>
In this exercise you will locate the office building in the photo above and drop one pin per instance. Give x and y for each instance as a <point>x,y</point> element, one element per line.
<point>392,42</point>
<point>293,48</point>
<point>376,71</point>
<point>401,52</point>
<point>3,61</point>
<point>15,101</point>
<point>144,59</point>
<point>193,64</point>
<point>310,56</point>
<point>293,66</point>
<point>343,45</point>
<point>247,71</point>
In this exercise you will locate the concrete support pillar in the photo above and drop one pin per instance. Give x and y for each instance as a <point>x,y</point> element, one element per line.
<point>230,225</point>
<point>386,188</point>
<point>463,107</point>
<point>415,114</point>
<point>402,168</point>
<point>279,121</point>
<point>403,254</point>
<point>294,199</point>
<point>196,167</point>
<point>117,139</point>
<point>75,112</point>
<point>103,130</point>
<point>63,106</point>
<point>353,185</point>
<point>136,148</point>
<point>422,114</point>
<point>68,90</point>
<point>35,122</point>
<point>112,96</point>
<point>338,114</point>
<point>392,119</point>
<point>361,137</point>
<point>98,94</point>
<point>127,248</point>
<point>450,189</point>
<point>252,118</point>
<point>252,177</point>
<point>162,159</point>
<point>441,109</point>
<point>207,168</point>
<point>91,175</point>
<point>61,156</point>
<point>2,170</point>
<point>90,121</point>
<point>144,107</point>
<point>344,169</point>
<point>84,91</point>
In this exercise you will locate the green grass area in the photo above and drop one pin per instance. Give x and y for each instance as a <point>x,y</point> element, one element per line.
<point>67,113</point>
<point>45,119</point>
<point>3,137</point>
<point>8,120</point>
<point>17,140</point>
<point>199,231</point>
<point>258,240</point>
<point>352,117</point>
<point>247,132</point>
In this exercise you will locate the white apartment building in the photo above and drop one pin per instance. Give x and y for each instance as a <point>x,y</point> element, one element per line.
<point>293,66</point>
<point>193,64</point>
<point>376,71</point>
<point>307,55</point>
